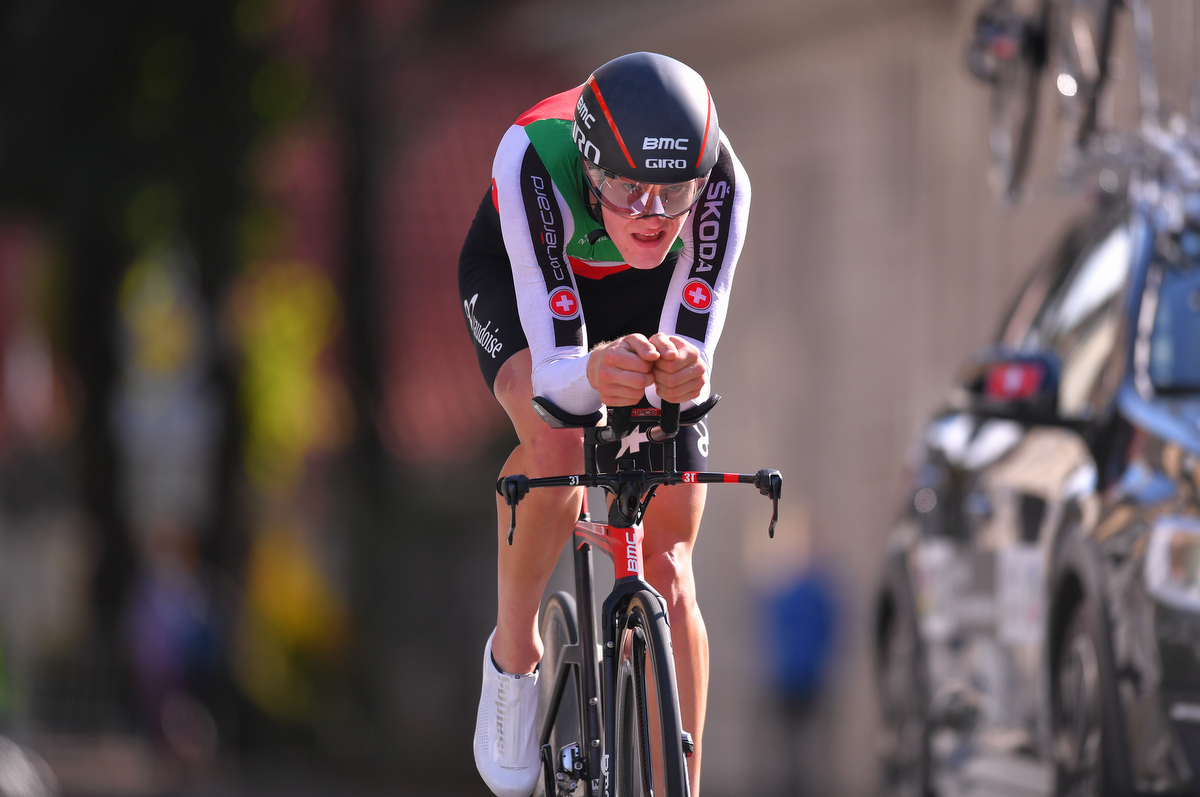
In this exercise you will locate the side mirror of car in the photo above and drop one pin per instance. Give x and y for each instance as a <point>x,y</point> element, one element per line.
<point>1020,386</point>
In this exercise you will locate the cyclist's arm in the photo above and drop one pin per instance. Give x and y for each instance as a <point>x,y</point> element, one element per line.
<point>535,221</point>
<point>712,238</point>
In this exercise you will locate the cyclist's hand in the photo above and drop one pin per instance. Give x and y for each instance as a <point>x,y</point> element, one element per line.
<point>679,372</point>
<point>622,370</point>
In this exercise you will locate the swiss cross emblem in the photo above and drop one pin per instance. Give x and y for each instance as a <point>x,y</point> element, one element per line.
<point>564,303</point>
<point>697,295</point>
<point>1013,380</point>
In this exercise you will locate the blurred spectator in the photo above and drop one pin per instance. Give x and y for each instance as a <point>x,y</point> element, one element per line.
<point>802,628</point>
<point>801,614</point>
<point>43,543</point>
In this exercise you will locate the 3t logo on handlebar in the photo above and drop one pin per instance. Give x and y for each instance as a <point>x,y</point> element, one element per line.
<point>689,477</point>
<point>574,481</point>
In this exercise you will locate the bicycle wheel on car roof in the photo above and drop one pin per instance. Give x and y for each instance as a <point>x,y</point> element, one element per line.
<point>649,755</point>
<point>1009,52</point>
<point>558,628</point>
<point>1082,34</point>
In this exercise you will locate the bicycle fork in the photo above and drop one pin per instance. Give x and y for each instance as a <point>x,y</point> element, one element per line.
<point>592,761</point>
<point>621,540</point>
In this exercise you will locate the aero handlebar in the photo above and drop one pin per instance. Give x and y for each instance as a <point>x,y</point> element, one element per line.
<point>629,485</point>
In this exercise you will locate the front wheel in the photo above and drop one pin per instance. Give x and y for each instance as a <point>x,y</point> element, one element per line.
<point>649,757</point>
<point>558,629</point>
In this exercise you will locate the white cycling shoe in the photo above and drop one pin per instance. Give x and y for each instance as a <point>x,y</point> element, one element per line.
<point>506,748</point>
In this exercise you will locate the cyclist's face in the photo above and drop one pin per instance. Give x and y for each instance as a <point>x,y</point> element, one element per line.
<point>645,241</point>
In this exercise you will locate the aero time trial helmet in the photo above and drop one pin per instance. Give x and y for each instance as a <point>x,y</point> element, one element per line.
<point>647,130</point>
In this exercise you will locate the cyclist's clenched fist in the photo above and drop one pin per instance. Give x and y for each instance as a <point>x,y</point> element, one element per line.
<point>679,372</point>
<point>622,369</point>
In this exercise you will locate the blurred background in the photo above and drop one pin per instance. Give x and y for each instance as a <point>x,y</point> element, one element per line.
<point>247,525</point>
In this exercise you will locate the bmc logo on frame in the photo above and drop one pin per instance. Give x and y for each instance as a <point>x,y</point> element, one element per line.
<point>564,303</point>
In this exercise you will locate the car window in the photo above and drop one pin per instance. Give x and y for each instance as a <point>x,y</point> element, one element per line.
<point>1080,320</point>
<point>1174,355</point>
<point>1047,283</point>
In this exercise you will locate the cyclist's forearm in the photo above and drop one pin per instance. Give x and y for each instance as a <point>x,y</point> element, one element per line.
<point>564,381</point>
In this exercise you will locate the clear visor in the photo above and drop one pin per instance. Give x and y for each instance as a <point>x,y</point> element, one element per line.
<point>630,198</point>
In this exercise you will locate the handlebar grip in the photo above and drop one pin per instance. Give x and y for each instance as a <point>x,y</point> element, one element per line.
<point>669,420</point>
<point>620,421</point>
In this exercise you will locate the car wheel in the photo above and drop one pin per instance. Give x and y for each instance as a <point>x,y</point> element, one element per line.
<point>904,742</point>
<point>1077,729</point>
<point>1088,743</point>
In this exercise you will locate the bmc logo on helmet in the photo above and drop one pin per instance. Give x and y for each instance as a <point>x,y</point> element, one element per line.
<point>665,163</point>
<point>664,143</point>
<point>583,113</point>
<point>586,148</point>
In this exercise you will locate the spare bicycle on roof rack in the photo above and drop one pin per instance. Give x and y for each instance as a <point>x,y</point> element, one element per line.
<point>1018,45</point>
<point>608,710</point>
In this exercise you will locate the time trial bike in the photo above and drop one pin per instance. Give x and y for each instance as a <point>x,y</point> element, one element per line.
<point>608,709</point>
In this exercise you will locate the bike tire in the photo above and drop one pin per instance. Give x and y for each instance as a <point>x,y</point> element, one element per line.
<point>648,750</point>
<point>1082,33</point>
<point>1013,109</point>
<point>558,627</point>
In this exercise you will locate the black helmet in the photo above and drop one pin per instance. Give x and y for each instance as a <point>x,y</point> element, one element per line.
<point>648,118</point>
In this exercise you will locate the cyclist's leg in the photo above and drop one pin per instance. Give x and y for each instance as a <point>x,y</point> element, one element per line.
<point>671,523</point>
<point>545,517</point>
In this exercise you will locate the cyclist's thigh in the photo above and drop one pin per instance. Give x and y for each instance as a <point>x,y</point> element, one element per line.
<point>548,452</point>
<point>673,519</point>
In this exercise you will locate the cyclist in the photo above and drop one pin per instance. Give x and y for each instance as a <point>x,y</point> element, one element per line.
<point>619,201</point>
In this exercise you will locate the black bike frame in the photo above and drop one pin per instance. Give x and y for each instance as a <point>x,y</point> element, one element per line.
<point>631,491</point>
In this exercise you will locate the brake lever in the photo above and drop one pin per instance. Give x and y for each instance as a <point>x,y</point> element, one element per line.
<point>770,483</point>
<point>513,488</point>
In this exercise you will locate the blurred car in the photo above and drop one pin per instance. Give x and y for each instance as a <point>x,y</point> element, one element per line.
<point>1038,619</point>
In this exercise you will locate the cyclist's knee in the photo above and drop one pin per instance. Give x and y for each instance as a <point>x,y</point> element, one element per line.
<point>513,385</point>
<point>554,452</point>
<point>670,572</point>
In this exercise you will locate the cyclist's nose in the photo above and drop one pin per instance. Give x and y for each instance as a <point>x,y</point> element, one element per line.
<point>650,203</point>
